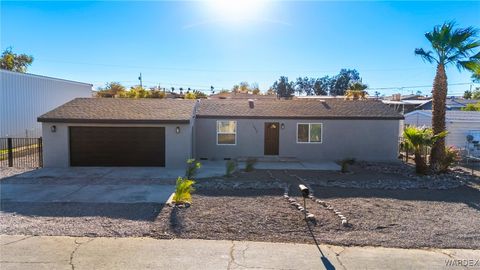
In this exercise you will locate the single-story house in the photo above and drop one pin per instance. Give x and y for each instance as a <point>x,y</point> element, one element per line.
<point>452,103</point>
<point>153,132</point>
<point>459,124</point>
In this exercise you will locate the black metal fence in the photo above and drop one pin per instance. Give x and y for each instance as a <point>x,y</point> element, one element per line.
<point>21,152</point>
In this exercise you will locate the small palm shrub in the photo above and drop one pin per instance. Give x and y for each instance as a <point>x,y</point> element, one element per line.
<point>192,167</point>
<point>230,168</point>
<point>250,163</point>
<point>183,190</point>
<point>417,138</point>
<point>452,155</point>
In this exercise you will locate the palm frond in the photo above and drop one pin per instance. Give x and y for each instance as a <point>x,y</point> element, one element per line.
<point>426,55</point>
<point>473,66</point>
<point>451,44</point>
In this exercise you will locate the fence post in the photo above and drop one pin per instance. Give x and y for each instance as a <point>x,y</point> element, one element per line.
<point>10,152</point>
<point>406,152</point>
<point>40,152</point>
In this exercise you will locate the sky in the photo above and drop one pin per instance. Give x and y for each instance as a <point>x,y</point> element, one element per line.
<point>220,43</point>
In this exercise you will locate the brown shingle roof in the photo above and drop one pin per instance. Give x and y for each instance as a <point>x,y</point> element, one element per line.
<point>120,110</point>
<point>328,108</point>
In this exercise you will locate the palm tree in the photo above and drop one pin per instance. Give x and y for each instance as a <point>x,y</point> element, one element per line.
<point>450,46</point>
<point>418,138</point>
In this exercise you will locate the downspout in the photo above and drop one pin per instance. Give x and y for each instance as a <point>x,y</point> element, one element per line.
<point>193,127</point>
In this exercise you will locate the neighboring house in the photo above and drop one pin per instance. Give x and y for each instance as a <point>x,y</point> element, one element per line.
<point>151,132</point>
<point>23,97</point>
<point>233,95</point>
<point>459,124</point>
<point>453,104</point>
<point>406,103</point>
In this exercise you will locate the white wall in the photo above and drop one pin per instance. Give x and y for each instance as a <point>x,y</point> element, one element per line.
<point>418,119</point>
<point>24,97</point>
<point>178,147</point>
<point>457,130</point>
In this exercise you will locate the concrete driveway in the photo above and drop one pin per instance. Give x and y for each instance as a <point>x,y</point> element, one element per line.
<point>119,184</point>
<point>88,185</point>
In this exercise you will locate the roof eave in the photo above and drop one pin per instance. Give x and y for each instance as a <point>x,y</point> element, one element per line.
<point>112,121</point>
<point>302,117</point>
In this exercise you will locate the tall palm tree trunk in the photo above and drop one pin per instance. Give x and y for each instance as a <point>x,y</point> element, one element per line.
<point>439,98</point>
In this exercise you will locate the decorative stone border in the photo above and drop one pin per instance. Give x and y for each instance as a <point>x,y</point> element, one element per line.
<point>337,212</point>
<point>292,201</point>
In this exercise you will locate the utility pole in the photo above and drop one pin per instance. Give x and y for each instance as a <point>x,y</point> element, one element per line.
<point>140,79</point>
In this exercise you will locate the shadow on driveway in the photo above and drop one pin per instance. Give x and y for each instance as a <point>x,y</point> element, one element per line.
<point>130,211</point>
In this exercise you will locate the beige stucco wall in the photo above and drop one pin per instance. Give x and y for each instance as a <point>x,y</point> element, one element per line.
<point>370,140</point>
<point>56,144</point>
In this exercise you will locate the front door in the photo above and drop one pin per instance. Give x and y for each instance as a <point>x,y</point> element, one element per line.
<point>272,139</point>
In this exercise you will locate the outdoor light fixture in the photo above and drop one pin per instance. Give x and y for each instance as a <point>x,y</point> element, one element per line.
<point>53,128</point>
<point>282,125</point>
<point>177,130</point>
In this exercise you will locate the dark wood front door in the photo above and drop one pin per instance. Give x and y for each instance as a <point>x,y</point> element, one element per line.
<point>117,146</point>
<point>272,138</point>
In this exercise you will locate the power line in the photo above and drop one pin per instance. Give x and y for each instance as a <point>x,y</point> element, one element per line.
<point>217,70</point>
<point>416,86</point>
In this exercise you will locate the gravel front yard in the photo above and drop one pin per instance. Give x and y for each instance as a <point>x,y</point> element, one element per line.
<point>237,209</point>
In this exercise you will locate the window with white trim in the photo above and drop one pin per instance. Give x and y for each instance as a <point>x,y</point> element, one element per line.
<point>226,132</point>
<point>309,132</point>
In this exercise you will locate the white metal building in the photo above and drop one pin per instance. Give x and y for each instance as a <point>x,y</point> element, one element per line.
<point>459,125</point>
<point>24,97</point>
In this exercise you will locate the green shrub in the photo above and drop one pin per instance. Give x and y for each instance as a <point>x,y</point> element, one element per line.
<point>230,168</point>
<point>250,163</point>
<point>345,162</point>
<point>183,190</point>
<point>417,139</point>
<point>192,167</point>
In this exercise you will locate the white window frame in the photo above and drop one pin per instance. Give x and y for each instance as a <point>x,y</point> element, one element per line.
<point>218,132</point>
<point>309,127</point>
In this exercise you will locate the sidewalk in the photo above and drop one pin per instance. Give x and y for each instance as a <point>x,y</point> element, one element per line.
<point>59,252</point>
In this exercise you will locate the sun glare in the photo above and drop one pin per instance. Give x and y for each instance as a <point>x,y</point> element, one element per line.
<point>236,10</point>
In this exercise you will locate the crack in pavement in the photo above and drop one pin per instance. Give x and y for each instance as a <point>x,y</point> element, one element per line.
<point>232,261</point>
<point>26,262</point>
<point>77,246</point>
<point>337,256</point>
<point>451,256</point>
<point>16,241</point>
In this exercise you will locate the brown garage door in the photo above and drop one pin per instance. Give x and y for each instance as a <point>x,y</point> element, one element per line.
<point>117,146</point>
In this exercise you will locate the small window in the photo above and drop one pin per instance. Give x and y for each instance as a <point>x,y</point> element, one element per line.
<point>227,132</point>
<point>309,133</point>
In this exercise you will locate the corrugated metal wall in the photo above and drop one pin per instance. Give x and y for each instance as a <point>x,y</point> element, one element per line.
<point>24,97</point>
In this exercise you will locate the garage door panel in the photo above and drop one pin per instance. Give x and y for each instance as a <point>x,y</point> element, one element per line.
<point>117,146</point>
